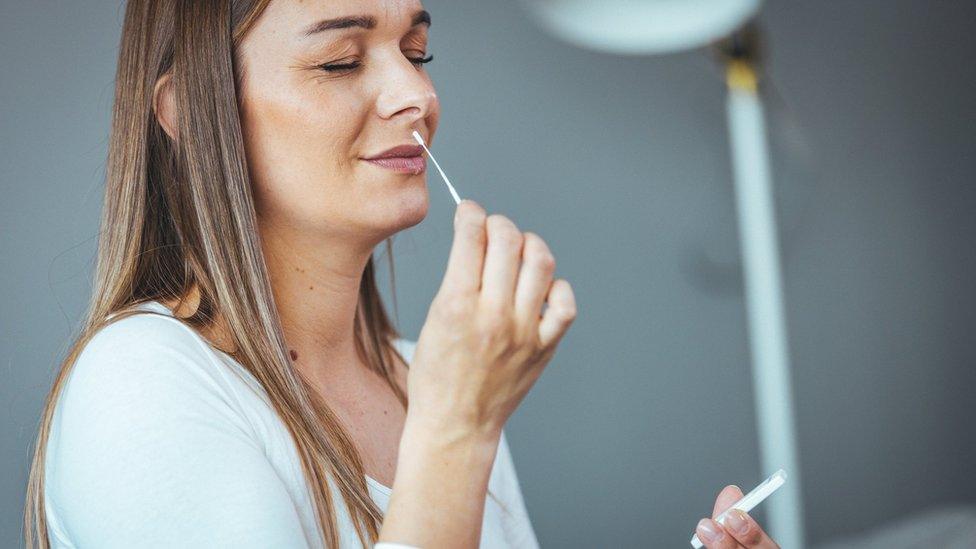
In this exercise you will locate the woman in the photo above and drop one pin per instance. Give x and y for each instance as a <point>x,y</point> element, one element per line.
<point>237,381</point>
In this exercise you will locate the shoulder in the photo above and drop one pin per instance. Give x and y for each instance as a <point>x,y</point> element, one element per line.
<point>144,333</point>
<point>140,376</point>
<point>141,352</point>
<point>149,445</point>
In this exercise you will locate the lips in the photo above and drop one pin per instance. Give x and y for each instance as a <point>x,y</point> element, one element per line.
<point>402,158</point>
<point>400,151</point>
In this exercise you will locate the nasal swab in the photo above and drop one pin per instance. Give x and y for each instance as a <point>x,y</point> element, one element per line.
<point>457,199</point>
<point>748,501</point>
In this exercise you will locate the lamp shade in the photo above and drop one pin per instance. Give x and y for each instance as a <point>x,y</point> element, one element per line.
<point>641,27</point>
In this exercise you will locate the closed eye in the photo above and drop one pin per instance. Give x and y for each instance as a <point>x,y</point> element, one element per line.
<point>341,67</point>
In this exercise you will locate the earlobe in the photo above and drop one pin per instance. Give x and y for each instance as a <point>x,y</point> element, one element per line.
<point>164,104</point>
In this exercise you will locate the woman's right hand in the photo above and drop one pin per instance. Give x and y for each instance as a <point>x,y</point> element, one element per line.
<point>480,351</point>
<point>486,339</point>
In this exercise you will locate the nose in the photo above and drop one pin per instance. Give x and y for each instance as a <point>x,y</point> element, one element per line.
<point>406,92</point>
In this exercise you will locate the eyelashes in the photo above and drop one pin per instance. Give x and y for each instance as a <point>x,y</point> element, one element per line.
<point>345,67</point>
<point>419,61</point>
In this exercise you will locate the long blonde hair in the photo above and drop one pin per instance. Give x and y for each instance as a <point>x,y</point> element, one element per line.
<point>179,216</point>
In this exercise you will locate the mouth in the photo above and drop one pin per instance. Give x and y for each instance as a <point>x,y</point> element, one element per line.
<point>402,158</point>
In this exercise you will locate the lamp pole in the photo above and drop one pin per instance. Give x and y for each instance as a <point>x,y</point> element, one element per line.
<point>768,340</point>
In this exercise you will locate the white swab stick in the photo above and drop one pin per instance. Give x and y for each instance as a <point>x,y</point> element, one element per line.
<point>457,199</point>
<point>748,501</point>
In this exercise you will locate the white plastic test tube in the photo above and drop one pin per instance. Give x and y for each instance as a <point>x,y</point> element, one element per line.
<point>457,199</point>
<point>748,501</point>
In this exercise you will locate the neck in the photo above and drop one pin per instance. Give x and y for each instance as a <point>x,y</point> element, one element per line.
<point>316,290</point>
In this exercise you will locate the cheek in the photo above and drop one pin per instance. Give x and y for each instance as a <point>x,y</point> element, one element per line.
<point>299,149</point>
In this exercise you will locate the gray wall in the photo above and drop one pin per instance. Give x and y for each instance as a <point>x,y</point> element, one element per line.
<point>622,165</point>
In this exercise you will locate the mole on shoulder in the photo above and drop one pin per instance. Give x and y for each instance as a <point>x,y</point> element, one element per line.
<point>294,355</point>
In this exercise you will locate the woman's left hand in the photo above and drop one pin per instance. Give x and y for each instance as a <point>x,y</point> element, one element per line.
<point>740,529</point>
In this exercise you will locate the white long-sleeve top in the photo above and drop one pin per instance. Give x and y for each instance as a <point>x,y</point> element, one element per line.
<point>161,440</point>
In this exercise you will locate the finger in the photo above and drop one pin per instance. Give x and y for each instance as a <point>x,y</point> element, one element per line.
<point>559,314</point>
<point>501,261</point>
<point>714,536</point>
<point>747,531</point>
<point>729,495</point>
<point>468,250</point>
<point>534,280</point>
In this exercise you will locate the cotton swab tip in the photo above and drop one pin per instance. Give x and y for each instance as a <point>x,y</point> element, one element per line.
<point>454,194</point>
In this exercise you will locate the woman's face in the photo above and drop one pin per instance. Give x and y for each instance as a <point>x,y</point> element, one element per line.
<point>307,129</point>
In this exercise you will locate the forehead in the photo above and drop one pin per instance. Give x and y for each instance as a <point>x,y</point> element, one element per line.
<point>299,19</point>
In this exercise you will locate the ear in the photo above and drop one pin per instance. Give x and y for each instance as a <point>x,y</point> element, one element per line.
<point>164,105</point>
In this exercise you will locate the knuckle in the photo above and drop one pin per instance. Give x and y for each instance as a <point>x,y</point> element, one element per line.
<point>522,338</point>
<point>744,529</point>
<point>499,220</point>
<point>752,536</point>
<point>538,254</point>
<point>496,328</point>
<point>536,240</point>
<point>540,353</point>
<point>494,221</point>
<point>512,239</point>
<point>471,212</point>
<point>472,226</point>
<point>567,300</point>
<point>568,314</point>
<point>496,308</point>
<point>544,261</point>
<point>503,229</point>
<point>477,234</point>
<point>472,222</point>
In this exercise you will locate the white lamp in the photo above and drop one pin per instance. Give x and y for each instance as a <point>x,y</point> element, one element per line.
<point>645,27</point>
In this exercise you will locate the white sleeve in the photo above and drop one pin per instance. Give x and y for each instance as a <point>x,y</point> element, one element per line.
<point>518,528</point>
<point>147,450</point>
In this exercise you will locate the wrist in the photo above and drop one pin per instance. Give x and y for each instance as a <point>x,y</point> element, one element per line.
<point>441,480</point>
<point>428,435</point>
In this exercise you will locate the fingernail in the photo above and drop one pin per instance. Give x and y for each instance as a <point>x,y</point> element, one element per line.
<point>737,522</point>
<point>708,531</point>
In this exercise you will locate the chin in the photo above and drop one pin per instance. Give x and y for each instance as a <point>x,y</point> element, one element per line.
<point>409,205</point>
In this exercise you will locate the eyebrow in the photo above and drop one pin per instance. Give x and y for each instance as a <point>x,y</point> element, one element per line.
<point>362,21</point>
